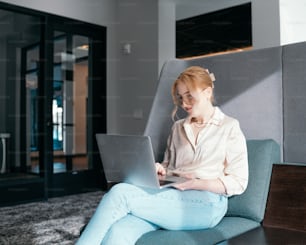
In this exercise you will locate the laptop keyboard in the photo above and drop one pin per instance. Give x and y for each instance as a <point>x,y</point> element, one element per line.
<point>165,182</point>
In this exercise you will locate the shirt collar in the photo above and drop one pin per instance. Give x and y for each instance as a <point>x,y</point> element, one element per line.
<point>216,119</point>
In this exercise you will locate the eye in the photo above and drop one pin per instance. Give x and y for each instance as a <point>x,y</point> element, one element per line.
<point>179,97</point>
<point>186,98</point>
<point>189,97</point>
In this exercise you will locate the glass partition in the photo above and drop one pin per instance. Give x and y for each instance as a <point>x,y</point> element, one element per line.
<point>69,104</point>
<point>19,69</point>
<point>52,103</point>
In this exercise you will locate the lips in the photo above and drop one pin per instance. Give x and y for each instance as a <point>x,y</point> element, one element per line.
<point>188,109</point>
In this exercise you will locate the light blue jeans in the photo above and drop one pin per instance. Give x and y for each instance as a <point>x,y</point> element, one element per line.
<point>126,212</point>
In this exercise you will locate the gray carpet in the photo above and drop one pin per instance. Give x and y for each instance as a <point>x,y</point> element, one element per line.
<point>57,221</point>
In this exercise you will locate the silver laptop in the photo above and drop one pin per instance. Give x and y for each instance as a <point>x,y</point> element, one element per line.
<point>130,159</point>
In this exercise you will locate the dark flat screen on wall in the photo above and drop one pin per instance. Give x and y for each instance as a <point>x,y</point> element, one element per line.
<point>222,30</point>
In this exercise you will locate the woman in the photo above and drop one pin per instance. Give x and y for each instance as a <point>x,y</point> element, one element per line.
<point>207,147</point>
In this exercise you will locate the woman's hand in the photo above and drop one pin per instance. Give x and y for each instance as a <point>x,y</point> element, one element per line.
<point>189,184</point>
<point>160,170</point>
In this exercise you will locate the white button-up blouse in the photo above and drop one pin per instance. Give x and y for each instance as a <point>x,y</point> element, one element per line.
<point>220,152</point>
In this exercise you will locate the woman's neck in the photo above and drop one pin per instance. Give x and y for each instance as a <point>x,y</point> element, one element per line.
<point>203,119</point>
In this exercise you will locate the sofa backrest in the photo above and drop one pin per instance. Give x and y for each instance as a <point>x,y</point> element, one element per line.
<point>252,203</point>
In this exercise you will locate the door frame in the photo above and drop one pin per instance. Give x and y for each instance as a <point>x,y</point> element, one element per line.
<point>85,180</point>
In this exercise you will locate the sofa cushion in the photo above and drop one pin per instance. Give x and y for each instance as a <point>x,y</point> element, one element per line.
<point>227,228</point>
<point>251,204</point>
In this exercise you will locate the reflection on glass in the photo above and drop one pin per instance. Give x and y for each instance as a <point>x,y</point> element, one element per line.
<point>57,115</point>
<point>69,106</point>
<point>32,103</point>
<point>19,71</point>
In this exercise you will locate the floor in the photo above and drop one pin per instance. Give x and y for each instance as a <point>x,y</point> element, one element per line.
<point>79,162</point>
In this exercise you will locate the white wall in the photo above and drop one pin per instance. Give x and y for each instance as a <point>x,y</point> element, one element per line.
<point>166,31</point>
<point>137,72</point>
<point>100,12</point>
<point>292,21</point>
<point>266,23</point>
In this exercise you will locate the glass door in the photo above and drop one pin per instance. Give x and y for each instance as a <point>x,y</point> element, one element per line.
<point>52,102</point>
<point>31,103</point>
<point>76,91</point>
<point>20,94</point>
<point>69,103</point>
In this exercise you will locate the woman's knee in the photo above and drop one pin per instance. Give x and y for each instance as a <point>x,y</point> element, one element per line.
<point>121,188</point>
<point>129,189</point>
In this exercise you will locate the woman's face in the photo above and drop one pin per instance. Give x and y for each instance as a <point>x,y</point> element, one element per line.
<point>195,102</point>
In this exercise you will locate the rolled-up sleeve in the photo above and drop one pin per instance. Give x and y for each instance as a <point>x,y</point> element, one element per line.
<point>236,173</point>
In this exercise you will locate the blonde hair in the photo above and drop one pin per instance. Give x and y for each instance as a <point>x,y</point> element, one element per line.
<point>194,77</point>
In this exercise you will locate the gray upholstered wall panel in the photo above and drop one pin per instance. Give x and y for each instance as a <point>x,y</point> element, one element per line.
<point>248,87</point>
<point>159,121</point>
<point>294,82</point>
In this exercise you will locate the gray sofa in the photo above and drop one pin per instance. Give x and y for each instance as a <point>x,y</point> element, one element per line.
<point>246,211</point>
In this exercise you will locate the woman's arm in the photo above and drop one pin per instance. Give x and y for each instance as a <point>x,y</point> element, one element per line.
<point>212,185</point>
<point>236,171</point>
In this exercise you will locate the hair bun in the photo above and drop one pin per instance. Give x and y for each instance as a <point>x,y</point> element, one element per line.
<point>212,77</point>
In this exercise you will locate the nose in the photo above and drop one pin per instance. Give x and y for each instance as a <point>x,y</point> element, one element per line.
<point>186,107</point>
<point>184,103</point>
